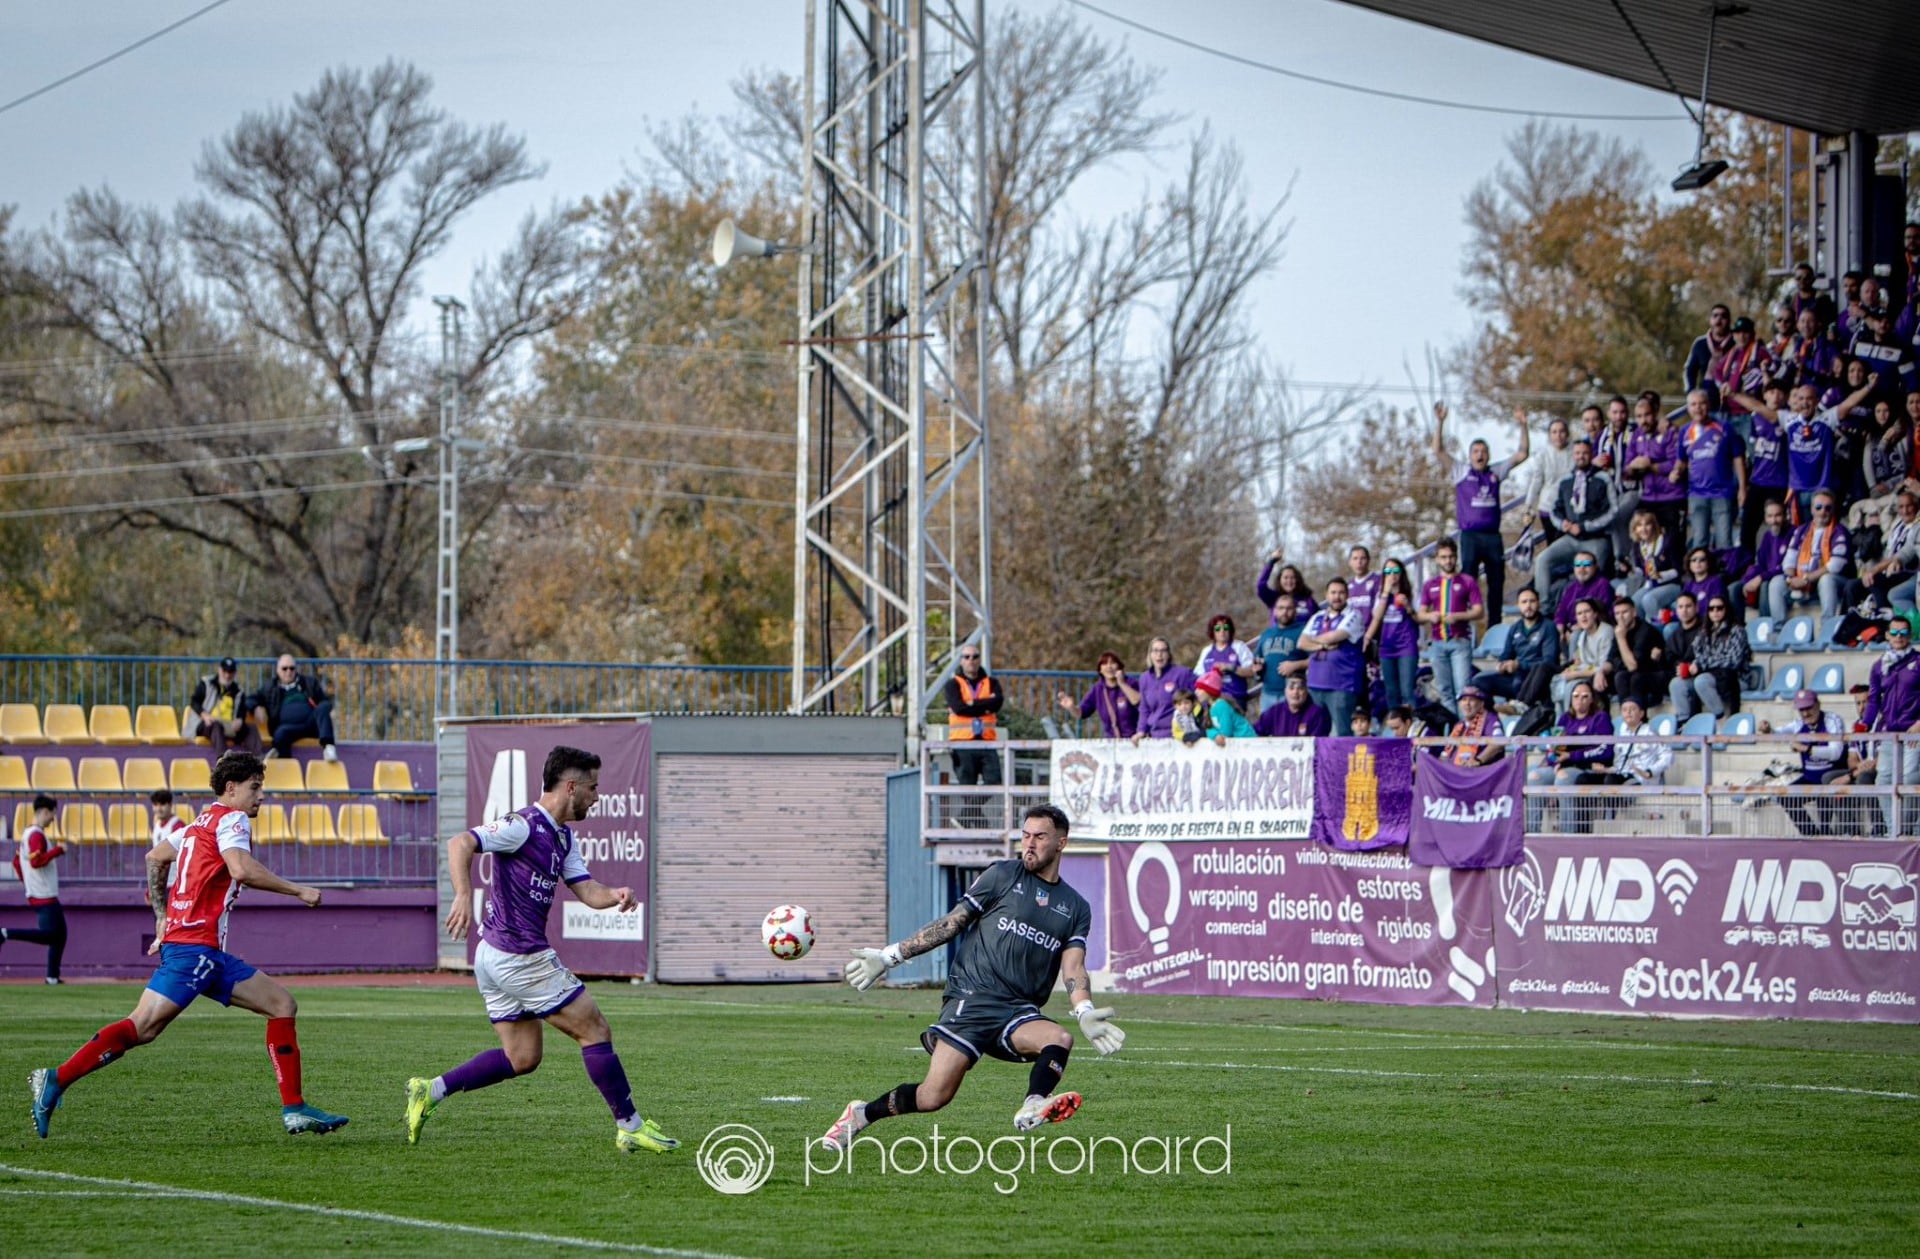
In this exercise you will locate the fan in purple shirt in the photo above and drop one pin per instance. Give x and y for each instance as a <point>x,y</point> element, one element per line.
<point>1564,763</point>
<point>1286,580</point>
<point>1713,465</point>
<point>1653,454</point>
<point>1703,579</point>
<point>1115,696</point>
<point>1766,460</point>
<point>1157,686</point>
<point>1296,717</point>
<point>1587,583</point>
<point>1769,549</point>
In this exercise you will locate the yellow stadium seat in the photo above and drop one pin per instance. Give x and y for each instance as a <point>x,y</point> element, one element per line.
<point>67,724</point>
<point>270,827</point>
<point>185,813</point>
<point>327,776</point>
<point>129,824</point>
<point>190,773</point>
<point>99,773</point>
<point>84,824</point>
<point>143,773</point>
<point>112,724</point>
<point>313,824</point>
<point>13,775</point>
<point>52,773</point>
<point>156,726</point>
<point>20,724</point>
<point>23,818</point>
<point>186,715</point>
<point>284,776</point>
<point>360,824</point>
<point>393,779</point>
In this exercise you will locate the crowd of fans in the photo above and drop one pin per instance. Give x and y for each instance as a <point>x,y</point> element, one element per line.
<point>1787,482</point>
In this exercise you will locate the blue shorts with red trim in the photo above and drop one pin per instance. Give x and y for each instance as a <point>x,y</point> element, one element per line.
<point>198,970</point>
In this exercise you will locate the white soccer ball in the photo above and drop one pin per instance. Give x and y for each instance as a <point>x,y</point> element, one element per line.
<point>788,932</point>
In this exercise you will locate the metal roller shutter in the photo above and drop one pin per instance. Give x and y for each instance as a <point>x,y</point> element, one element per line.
<point>736,835</point>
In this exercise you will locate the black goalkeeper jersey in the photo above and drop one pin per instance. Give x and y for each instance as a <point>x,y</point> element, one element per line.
<point>1013,948</point>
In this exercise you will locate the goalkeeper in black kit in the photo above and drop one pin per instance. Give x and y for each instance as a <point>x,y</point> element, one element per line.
<point>1020,929</point>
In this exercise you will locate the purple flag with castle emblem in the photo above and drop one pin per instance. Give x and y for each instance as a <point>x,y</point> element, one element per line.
<point>1362,792</point>
<point>1469,816</point>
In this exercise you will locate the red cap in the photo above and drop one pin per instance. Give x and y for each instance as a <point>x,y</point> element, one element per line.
<point>1209,684</point>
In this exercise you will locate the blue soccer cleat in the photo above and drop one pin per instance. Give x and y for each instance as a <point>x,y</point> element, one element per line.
<point>46,1090</point>
<point>305,1118</point>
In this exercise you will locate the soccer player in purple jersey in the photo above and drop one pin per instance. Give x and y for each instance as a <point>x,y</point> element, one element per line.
<point>521,978</point>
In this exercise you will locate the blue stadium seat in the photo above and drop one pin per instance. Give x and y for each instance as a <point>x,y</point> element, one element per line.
<point>1797,634</point>
<point>1827,642</point>
<point>1495,642</point>
<point>1664,725</point>
<point>1829,679</point>
<point>1698,724</point>
<point>1739,723</point>
<point>1787,679</point>
<point>1763,634</point>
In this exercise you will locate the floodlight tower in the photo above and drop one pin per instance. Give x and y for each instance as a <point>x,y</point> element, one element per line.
<point>891,538</point>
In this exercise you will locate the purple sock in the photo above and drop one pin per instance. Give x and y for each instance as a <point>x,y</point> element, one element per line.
<point>604,1069</point>
<point>479,1071</point>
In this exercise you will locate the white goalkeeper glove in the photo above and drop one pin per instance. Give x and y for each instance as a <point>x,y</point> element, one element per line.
<point>1097,1026</point>
<point>869,964</point>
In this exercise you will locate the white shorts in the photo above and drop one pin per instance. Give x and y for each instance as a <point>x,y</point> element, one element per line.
<point>523,985</point>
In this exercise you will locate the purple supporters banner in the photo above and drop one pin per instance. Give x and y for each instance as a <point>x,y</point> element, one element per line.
<point>503,774</point>
<point>1468,817</point>
<point>1747,929</point>
<point>1362,792</point>
<point>1294,919</point>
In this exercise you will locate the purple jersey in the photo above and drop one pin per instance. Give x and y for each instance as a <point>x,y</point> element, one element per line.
<point>1810,449</point>
<point>1399,632</point>
<point>1340,667</point>
<point>1447,596</point>
<point>1476,495</point>
<point>532,856</point>
<point>1594,724</point>
<point>1361,592</point>
<point>1766,455</point>
<point>1281,722</point>
<point>1657,486</point>
<point>1710,451</point>
<point>1156,698</point>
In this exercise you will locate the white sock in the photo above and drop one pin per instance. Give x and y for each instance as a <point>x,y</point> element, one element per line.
<point>437,1091</point>
<point>632,1123</point>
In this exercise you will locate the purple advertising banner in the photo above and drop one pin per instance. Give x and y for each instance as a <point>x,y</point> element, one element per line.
<point>1469,816</point>
<point>1362,792</point>
<point>1755,929</point>
<point>1293,919</point>
<point>503,774</point>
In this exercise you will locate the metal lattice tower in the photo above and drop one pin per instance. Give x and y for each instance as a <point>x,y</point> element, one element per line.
<point>446,619</point>
<point>891,543</point>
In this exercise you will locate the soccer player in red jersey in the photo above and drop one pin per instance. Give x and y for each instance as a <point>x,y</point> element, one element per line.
<point>193,886</point>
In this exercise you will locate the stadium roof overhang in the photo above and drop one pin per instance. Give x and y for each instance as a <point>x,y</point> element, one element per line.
<point>1827,69</point>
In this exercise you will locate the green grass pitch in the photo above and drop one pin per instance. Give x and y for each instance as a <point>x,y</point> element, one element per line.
<point>1355,1130</point>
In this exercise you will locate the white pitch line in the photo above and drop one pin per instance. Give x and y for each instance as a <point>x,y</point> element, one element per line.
<point>369,1217</point>
<point>1663,1081</point>
<point>85,1193</point>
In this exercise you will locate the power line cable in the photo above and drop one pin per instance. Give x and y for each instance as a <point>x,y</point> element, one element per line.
<point>89,68</point>
<point>1437,102</point>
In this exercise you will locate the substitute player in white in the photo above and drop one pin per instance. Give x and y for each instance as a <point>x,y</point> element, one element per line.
<point>1020,929</point>
<point>522,979</point>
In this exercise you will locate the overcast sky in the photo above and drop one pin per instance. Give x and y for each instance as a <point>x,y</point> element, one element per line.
<point>1372,270</point>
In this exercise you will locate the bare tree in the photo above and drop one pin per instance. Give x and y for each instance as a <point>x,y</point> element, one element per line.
<point>262,334</point>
